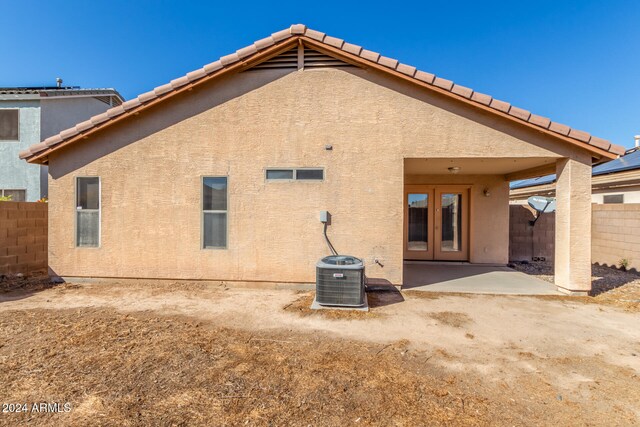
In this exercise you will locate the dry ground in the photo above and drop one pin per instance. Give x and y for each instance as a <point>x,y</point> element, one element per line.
<point>158,353</point>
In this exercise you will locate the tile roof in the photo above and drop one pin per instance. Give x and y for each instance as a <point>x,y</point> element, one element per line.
<point>51,91</point>
<point>630,161</point>
<point>38,152</point>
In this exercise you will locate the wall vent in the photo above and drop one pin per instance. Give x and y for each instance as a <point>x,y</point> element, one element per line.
<point>287,59</point>
<point>315,59</point>
<point>311,59</point>
<point>109,100</point>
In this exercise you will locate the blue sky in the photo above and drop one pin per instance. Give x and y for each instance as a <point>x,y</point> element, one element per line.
<point>575,62</point>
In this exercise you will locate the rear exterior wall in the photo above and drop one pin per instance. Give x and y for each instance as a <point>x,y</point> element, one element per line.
<point>151,167</point>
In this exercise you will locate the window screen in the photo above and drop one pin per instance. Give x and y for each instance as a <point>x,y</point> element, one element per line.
<point>280,174</point>
<point>214,212</point>
<point>310,174</point>
<point>88,212</point>
<point>307,174</point>
<point>9,121</point>
<point>613,198</point>
<point>16,195</point>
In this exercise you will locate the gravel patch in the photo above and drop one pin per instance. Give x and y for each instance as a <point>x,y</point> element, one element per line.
<point>609,285</point>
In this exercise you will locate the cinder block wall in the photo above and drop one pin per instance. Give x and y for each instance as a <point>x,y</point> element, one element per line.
<point>525,241</point>
<point>615,234</point>
<point>23,237</point>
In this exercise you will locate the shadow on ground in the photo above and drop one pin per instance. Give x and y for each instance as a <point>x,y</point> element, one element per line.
<point>16,287</point>
<point>603,278</point>
<point>383,295</point>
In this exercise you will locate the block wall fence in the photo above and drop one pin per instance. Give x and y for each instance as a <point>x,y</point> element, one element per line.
<point>615,234</point>
<point>527,242</point>
<point>23,237</point>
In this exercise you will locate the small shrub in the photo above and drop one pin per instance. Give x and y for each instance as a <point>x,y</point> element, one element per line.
<point>624,264</point>
<point>5,198</point>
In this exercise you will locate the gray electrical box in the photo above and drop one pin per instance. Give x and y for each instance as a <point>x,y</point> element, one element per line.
<point>324,216</point>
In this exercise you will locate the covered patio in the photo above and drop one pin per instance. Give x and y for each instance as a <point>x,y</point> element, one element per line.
<point>456,209</point>
<point>459,277</point>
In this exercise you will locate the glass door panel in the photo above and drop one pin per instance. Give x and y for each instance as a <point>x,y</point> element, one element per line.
<point>418,216</point>
<point>451,222</point>
<point>418,222</point>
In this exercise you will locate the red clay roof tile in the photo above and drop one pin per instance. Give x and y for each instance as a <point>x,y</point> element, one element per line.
<point>37,147</point>
<point>406,69</point>
<point>147,96</point>
<point>51,141</point>
<point>67,133</point>
<point>229,59</point>
<point>212,67</point>
<point>196,74</point>
<point>82,126</point>
<point>579,135</point>
<point>264,43</point>
<point>161,90</point>
<point>462,91</point>
<point>115,111</point>
<point>559,128</point>
<point>424,76</point>
<point>369,55</point>
<point>332,41</point>
<point>500,105</point>
<point>481,98</point>
<point>388,62</point>
<point>539,121</point>
<point>617,149</point>
<point>600,143</point>
<point>96,119</point>
<point>443,83</point>
<point>316,35</point>
<point>175,83</point>
<point>351,48</point>
<point>132,103</point>
<point>281,35</point>
<point>298,29</point>
<point>520,113</point>
<point>246,51</point>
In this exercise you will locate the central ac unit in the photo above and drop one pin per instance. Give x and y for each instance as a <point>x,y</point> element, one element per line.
<point>340,281</point>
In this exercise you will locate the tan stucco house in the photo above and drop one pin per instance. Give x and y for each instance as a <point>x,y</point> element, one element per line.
<point>222,174</point>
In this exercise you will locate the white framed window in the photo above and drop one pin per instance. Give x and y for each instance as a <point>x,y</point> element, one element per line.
<point>214,212</point>
<point>88,212</point>
<point>294,174</point>
<point>9,124</point>
<point>16,195</point>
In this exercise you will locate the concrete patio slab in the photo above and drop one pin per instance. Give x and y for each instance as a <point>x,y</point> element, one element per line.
<point>472,278</point>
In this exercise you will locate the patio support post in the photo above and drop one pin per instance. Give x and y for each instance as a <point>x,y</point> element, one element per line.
<point>573,226</point>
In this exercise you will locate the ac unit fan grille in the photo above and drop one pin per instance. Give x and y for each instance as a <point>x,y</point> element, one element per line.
<point>339,287</point>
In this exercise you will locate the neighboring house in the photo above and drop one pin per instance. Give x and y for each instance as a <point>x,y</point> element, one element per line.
<point>221,174</point>
<point>31,114</point>
<point>616,181</point>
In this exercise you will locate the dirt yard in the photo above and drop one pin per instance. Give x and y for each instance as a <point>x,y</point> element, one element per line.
<point>151,353</point>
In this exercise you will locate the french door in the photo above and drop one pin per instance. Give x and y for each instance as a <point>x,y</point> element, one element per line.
<point>436,222</point>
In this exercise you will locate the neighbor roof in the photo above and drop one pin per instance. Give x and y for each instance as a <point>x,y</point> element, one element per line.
<point>277,43</point>
<point>53,91</point>
<point>629,161</point>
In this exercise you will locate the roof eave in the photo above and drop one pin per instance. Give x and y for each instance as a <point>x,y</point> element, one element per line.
<point>282,40</point>
<point>276,49</point>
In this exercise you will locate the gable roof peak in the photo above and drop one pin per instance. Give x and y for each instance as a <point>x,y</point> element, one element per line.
<point>264,48</point>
